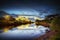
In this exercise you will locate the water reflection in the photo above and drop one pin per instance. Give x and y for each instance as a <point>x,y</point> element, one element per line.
<point>27,26</point>
<point>25,31</point>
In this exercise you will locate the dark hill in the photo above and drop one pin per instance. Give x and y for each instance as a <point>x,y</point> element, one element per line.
<point>2,13</point>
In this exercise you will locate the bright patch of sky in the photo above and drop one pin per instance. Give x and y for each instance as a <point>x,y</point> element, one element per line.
<point>23,12</point>
<point>41,12</point>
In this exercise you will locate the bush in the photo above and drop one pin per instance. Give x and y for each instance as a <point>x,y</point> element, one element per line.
<point>55,25</point>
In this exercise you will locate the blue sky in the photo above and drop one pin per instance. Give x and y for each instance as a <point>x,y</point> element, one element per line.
<point>42,12</point>
<point>29,7</point>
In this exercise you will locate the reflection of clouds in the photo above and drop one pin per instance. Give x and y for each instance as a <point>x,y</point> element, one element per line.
<point>14,29</point>
<point>1,31</point>
<point>43,29</point>
<point>28,33</point>
<point>23,26</point>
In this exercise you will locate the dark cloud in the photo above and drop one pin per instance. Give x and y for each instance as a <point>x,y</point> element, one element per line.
<point>10,3</point>
<point>44,6</point>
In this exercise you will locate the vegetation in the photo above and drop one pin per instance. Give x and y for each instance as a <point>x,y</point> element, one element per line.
<point>54,22</point>
<point>7,20</point>
<point>42,22</point>
<point>55,25</point>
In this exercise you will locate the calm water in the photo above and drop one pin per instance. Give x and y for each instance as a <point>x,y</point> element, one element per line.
<point>28,31</point>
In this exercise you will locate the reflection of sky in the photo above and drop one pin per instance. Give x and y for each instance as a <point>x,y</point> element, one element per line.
<point>25,33</point>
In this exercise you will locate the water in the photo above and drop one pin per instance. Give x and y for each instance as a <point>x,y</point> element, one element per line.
<point>28,31</point>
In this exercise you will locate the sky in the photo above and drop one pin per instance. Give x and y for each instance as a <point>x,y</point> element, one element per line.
<point>30,7</point>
